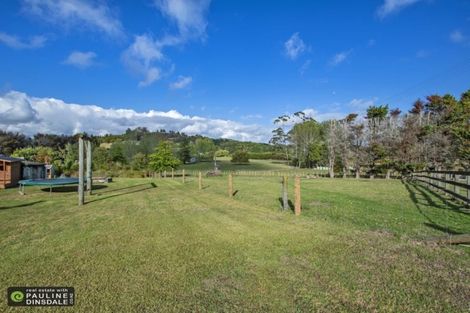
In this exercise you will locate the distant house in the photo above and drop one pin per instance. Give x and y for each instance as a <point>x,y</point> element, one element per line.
<point>10,171</point>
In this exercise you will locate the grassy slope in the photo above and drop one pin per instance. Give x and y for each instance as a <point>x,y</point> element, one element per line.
<point>135,248</point>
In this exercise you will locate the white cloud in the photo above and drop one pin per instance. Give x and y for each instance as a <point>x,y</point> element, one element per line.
<point>457,36</point>
<point>362,104</point>
<point>252,116</point>
<point>181,82</point>
<point>17,43</point>
<point>139,58</point>
<point>305,67</point>
<point>294,46</point>
<point>189,15</point>
<point>29,115</point>
<point>81,59</point>
<point>320,117</point>
<point>73,13</point>
<point>393,6</point>
<point>152,74</point>
<point>15,107</point>
<point>340,58</point>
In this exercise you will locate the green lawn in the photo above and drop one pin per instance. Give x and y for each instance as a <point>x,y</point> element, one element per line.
<point>224,164</point>
<point>168,247</point>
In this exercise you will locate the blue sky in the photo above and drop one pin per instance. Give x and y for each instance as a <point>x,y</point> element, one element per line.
<point>234,65</point>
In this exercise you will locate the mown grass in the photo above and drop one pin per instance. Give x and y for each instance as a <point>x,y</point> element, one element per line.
<point>224,164</point>
<point>171,248</point>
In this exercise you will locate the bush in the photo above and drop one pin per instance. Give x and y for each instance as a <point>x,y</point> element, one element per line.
<point>222,153</point>
<point>266,156</point>
<point>240,157</point>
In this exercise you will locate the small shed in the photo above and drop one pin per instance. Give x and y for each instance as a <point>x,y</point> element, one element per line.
<point>10,171</point>
<point>33,170</point>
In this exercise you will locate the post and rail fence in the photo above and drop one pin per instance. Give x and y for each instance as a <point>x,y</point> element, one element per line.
<point>455,184</point>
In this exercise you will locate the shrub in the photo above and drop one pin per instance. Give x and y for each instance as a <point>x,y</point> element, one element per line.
<point>240,157</point>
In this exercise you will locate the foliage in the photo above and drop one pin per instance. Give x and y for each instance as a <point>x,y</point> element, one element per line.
<point>139,162</point>
<point>240,156</point>
<point>221,153</point>
<point>163,158</point>
<point>37,154</point>
<point>184,152</point>
<point>117,154</point>
<point>10,142</point>
<point>204,148</point>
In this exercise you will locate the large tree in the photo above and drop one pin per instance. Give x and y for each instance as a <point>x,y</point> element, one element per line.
<point>163,159</point>
<point>10,142</point>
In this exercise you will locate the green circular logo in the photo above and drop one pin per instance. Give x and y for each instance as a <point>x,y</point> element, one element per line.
<point>17,296</point>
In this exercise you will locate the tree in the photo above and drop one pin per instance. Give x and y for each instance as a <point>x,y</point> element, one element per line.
<point>460,130</point>
<point>163,158</point>
<point>240,156</point>
<point>101,158</point>
<point>139,162</point>
<point>222,153</point>
<point>116,153</point>
<point>280,137</point>
<point>10,142</point>
<point>376,116</point>
<point>205,148</point>
<point>37,154</point>
<point>332,145</point>
<point>305,135</point>
<point>184,152</point>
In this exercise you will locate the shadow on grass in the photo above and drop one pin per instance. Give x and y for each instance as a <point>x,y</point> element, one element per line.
<point>152,186</point>
<point>123,188</point>
<point>20,205</point>
<point>70,188</point>
<point>289,203</point>
<point>427,200</point>
<point>448,203</point>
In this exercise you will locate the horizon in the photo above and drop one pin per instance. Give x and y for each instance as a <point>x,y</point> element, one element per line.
<point>218,69</point>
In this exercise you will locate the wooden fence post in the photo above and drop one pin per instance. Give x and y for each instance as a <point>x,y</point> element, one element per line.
<point>81,194</point>
<point>230,185</point>
<point>455,178</point>
<point>298,201</point>
<point>172,173</point>
<point>468,190</point>
<point>285,199</point>
<point>164,174</point>
<point>200,180</point>
<point>183,177</point>
<point>89,178</point>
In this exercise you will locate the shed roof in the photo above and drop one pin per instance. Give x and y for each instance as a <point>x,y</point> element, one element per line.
<point>31,163</point>
<point>9,159</point>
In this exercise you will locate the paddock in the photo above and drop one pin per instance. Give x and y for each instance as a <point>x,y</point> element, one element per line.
<point>357,244</point>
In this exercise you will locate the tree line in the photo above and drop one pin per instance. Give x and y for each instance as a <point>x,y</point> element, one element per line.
<point>132,153</point>
<point>434,134</point>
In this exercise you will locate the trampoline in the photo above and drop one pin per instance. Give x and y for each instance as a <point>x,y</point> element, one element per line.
<point>47,183</point>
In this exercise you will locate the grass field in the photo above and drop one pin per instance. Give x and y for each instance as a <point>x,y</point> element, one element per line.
<point>142,245</point>
<point>224,164</point>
